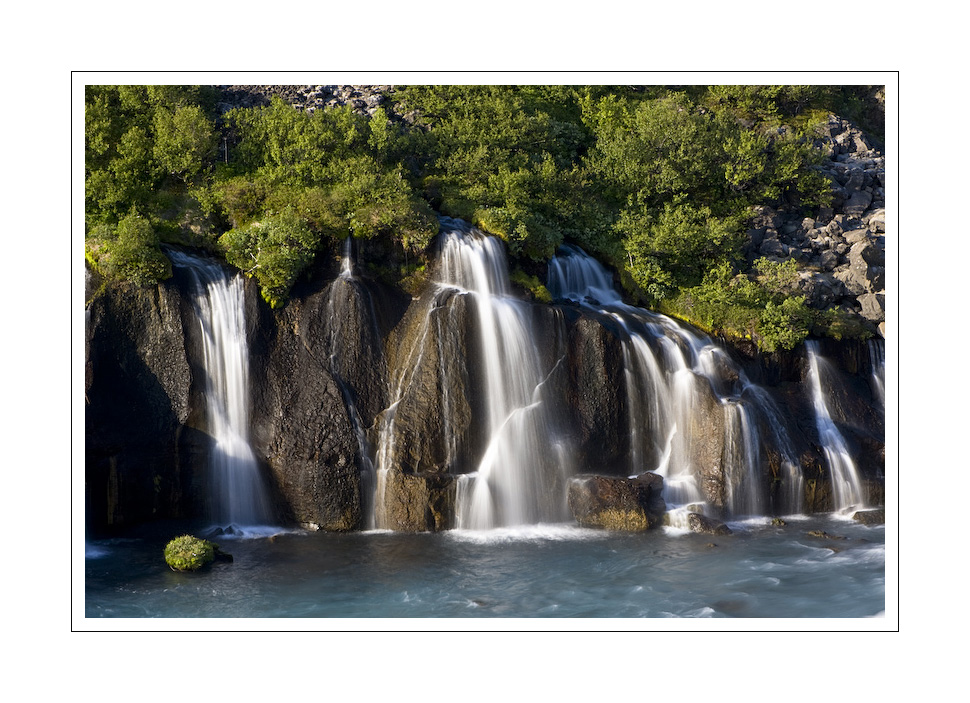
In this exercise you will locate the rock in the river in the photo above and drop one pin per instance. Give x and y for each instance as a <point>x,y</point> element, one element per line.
<point>418,503</point>
<point>612,503</point>
<point>870,517</point>
<point>706,526</point>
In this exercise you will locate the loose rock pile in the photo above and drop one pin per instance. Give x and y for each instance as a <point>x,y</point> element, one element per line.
<point>841,252</point>
<point>364,99</point>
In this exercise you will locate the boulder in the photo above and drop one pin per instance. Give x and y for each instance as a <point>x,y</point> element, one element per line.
<point>417,502</point>
<point>858,203</point>
<point>613,503</point>
<point>873,306</point>
<point>876,220</point>
<point>706,526</point>
<point>870,517</point>
<point>188,553</point>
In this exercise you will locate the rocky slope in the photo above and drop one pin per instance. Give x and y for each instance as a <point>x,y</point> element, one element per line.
<point>841,252</point>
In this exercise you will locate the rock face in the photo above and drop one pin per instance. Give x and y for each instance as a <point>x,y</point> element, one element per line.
<point>302,428</point>
<point>326,371</point>
<point>612,503</point>
<point>141,427</point>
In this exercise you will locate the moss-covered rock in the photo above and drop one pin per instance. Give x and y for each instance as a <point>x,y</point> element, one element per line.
<point>188,553</point>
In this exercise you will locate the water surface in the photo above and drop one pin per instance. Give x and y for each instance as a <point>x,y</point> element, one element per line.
<point>545,571</point>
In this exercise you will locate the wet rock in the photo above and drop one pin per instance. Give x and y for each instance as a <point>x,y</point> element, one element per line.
<point>432,359</point>
<point>870,517</point>
<point>419,502</point>
<point>612,503</point>
<point>598,405</point>
<point>301,425</point>
<point>707,526</point>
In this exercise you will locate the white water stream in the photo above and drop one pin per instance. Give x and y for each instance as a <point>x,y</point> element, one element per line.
<point>238,496</point>
<point>846,483</point>
<point>663,364</point>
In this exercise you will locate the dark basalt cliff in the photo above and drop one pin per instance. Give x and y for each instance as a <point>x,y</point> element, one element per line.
<point>327,367</point>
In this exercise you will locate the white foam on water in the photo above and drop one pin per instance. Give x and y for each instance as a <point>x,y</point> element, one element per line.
<point>527,533</point>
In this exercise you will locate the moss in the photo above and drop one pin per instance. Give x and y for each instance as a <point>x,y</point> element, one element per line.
<point>531,285</point>
<point>188,553</point>
<point>623,520</point>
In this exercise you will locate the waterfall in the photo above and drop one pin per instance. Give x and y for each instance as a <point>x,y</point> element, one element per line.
<point>664,363</point>
<point>508,486</point>
<point>846,483</point>
<point>516,478</point>
<point>877,359</point>
<point>239,496</point>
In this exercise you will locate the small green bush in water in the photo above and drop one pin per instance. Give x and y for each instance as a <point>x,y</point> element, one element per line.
<point>188,553</point>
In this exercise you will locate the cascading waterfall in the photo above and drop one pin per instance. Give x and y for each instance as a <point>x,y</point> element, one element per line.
<point>663,363</point>
<point>510,482</point>
<point>846,483</point>
<point>507,487</point>
<point>239,496</point>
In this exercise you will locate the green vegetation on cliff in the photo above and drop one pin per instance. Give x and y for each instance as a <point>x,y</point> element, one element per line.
<point>657,181</point>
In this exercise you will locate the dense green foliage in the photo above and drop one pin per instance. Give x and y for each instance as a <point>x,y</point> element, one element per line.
<point>657,181</point>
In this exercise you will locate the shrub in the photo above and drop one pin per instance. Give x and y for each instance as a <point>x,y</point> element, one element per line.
<point>275,250</point>
<point>129,251</point>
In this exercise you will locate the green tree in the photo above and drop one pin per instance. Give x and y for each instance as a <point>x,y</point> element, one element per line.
<point>185,141</point>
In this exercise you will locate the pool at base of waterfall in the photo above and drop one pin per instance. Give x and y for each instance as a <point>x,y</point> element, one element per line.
<point>810,567</point>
